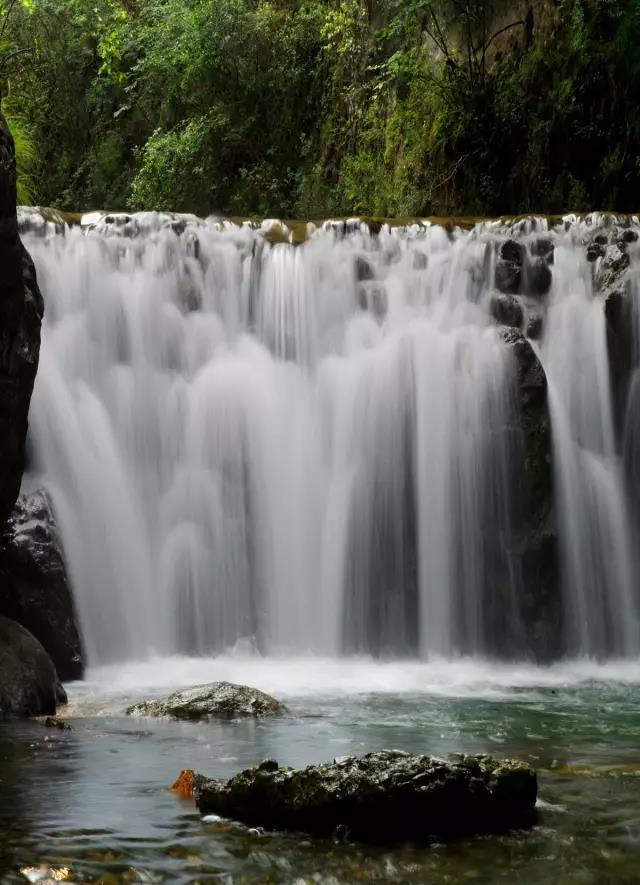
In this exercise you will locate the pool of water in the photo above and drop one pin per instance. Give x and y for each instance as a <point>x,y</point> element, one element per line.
<point>93,804</point>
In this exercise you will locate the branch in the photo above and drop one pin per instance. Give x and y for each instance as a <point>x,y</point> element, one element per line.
<point>7,56</point>
<point>501,31</point>
<point>12,3</point>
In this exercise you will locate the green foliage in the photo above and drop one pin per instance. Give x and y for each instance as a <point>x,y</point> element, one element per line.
<point>26,157</point>
<point>317,107</point>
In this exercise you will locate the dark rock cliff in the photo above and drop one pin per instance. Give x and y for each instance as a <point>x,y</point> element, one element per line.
<point>20,317</point>
<point>34,588</point>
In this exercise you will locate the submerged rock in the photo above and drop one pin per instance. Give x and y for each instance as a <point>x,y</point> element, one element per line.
<point>33,583</point>
<point>29,685</point>
<point>383,796</point>
<point>222,700</point>
<point>20,317</point>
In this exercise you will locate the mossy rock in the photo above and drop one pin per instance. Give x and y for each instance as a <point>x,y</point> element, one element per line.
<point>29,684</point>
<point>379,797</point>
<point>219,700</point>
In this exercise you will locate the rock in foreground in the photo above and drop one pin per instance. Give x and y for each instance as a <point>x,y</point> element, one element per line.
<point>222,700</point>
<point>29,684</point>
<point>384,796</point>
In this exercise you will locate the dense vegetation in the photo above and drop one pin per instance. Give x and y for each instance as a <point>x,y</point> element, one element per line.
<point>314,107</point>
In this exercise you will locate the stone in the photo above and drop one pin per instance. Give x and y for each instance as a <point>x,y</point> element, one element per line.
<point>34,589</point>
<point>535,326</point>
<point>594,251</point>
<point>508,274</point>
<point>221,700</point>
<point>537,277</point>
<point>372,297</point>
<point>386,796</point>
<point>536,543</point>
<point>543,248</point>
<point>29,684</point>
<point>54,722</point>
<point>21,310</point>
<point>364,270</point>
<point>506,310</point>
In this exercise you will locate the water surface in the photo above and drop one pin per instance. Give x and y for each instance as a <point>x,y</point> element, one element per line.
<point>96,800</point>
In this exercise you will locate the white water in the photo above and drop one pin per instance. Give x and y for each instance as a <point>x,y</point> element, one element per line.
<point>246,443</point>
<point>600,578</point>
<point>111,688</point>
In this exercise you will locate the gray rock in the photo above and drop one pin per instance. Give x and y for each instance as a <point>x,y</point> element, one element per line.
<point>379,797</point>
<point>20,317</point>
<point>221,700</point>
<point>34,589</point>
<point>538,562</point>
<point>29,685</point>
<point>595,251</point>
<point>543,248</point>
<point>537,277</point>
<point>508,274</point>
<point>364,269</point>
<point>507,310</point>
<point>535,326</point>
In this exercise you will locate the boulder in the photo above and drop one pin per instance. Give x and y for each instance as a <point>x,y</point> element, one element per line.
<point>34,589</point>
<point>509,267</point>
<point>364,269</point>
<point>543,248</point>
<point>379,797</point>
<point>20,317</point>
<point>507,310</point>
<point>535,326</point>
<point>220,700</point>
<point>29,684</point>
<point>537,277</point>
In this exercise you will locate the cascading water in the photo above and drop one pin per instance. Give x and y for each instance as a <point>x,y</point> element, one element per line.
<point>600,580</point>
<point>316,448</point>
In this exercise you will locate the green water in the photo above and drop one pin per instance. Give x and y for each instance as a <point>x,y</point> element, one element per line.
<point>95,800</point>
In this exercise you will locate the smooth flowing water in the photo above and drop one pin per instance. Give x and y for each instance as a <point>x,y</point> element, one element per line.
<point>318,448</point>
<point>95,801</point>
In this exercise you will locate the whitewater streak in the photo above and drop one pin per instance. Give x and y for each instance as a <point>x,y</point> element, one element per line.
<point>316,448</point>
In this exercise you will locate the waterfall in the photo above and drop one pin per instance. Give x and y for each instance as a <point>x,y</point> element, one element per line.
<point>318,448</point>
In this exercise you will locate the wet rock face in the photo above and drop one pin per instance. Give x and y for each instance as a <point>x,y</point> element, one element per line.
<point>509,267</point>
<point>522,270</point>
<point>379,797</point>
<point>507,310</point>
<point>20,317</point>
<point>537,558</point>
<point>29,684</point>
<point>221,700</point>
<point>607,248</point>
<point>34,589</point>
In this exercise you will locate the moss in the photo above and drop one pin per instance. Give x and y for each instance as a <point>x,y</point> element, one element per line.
<point>383,796</point>
<point>222,700</point>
